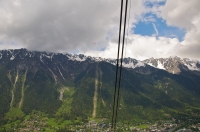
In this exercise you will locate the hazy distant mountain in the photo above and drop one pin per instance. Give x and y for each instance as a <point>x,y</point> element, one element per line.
<point>69,86</point>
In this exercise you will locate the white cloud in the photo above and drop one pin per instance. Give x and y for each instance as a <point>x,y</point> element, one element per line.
<point>185,14</point>
<point>141,47</point>
<point>56,25</point>
<point>180,13</point>
<point>10,46</point>
<point>73,26</point>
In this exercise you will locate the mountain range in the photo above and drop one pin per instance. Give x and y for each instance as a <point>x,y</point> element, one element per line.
<point>69,86</point>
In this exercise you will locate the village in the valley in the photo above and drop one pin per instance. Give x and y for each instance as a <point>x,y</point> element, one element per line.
<point>36,122</point>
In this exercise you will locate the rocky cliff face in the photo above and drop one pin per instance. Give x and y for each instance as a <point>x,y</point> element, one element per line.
<point>174,64</point>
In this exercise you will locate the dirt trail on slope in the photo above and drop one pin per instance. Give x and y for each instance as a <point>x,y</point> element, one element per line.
<point>61,73</point>
<point>22,93</point>
<point>61,94</point>
<point>62,91</point>
<point>95,93</point>
<point>13,88</point>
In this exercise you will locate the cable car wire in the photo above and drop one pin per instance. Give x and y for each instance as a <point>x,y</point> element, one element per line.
<point>119,86</point>
<point>117,65</point>
<point>116,95</point>
<point>128,28</point>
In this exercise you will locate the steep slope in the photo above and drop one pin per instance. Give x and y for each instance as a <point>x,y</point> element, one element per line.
<point>148,97</point>
<point>33,80</point>
<point>69,86</point>
<point>27,90</point>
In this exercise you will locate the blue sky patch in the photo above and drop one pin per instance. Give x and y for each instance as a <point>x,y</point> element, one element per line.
<point>145,29</point>
<point>154,3</point>
<point>148,28</point>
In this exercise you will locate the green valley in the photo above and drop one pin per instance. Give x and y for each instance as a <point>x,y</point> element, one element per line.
<point>39,94</point>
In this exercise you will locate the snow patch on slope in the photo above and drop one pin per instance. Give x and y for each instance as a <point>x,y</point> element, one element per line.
<point>150,64</point>
<point>76,57</point>
<point>12,58</point>
<point>139,64</point>
<point>172,64</point>
<point>55,77</point>
<point>160,65</point>
<point>47,56</point>
<point>41,58</point>
<point>131,64</point>
<point>60,73</point>
<point>31,54</point>
<point>192,66</point>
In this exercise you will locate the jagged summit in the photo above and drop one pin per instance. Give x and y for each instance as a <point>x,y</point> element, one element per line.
<point>24,53</point>
<point>173,64</point>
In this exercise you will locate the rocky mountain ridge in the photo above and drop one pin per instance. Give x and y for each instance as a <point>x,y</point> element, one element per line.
<point>173,65</point>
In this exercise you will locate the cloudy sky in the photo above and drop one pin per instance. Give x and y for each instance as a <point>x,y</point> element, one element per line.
<point>156,28</point>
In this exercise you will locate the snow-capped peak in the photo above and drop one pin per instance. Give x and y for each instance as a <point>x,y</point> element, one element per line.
<point>173,64</point>
<point>75,57</point>
<point>132,63</point>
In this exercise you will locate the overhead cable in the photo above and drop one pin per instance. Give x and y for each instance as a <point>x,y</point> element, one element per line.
<point>116,95</point>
